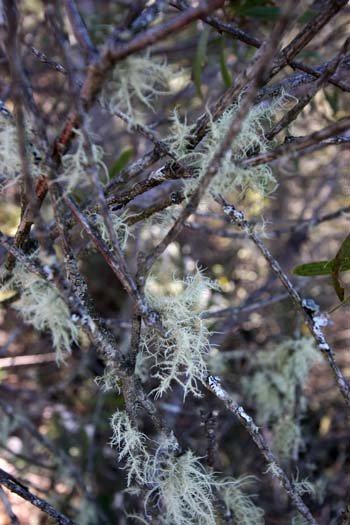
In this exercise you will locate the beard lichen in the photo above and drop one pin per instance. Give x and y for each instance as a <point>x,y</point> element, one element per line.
<point>232,174</point>
<point>131,446</point>
<point>276,389</point>
<point>137,81</point>
<point>119,225</point>
<point>41,305</point>
<point>181,355</point>
<point>76,165</point>
<point>176,483</point>
<point>10,159</point>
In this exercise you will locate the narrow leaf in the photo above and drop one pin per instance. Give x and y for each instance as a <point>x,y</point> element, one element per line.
<point>199,60</point>
<point>314,268</point>
<point>121,162</point>
<point>226,76</point>
<point>261,12</point>
<point>343,255</point>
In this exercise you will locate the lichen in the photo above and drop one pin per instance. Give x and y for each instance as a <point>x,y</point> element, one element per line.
<point>182,488</point>
<point>10,159</point>
<point>279,371</point>
<point>239,504</point>
<point>41,305</point>
<point>131,446</point>
<point>232,175</point>
<point>180,355</point>
<point>119,224</point>
<point>276,389</point>
<point>180,136</point>
<point>76,165</point>
<point>137,81</point>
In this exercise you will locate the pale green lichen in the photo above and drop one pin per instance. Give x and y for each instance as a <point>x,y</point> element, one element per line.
<point>187,492</point>
<point>180,136</point>
<point>276,389</point>
<point>136,81</point>
<point>287,437</point>
<point>76,165</point>
<point>176,483</point>
<point>10,159</point>
<point>119,225</point>
<point>181,489</point>
<point>239,504</point>
<point>279,372</point>
<point>41,305</point>
<point>231,174</point>
<point>110,380</point>
<point>132,447</point>
<point>180,355</point>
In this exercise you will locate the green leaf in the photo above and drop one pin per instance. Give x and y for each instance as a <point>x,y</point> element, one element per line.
<point>343,256</point>
<point>121,162</point>
<point>199,60</point>
<point>307,16</point>
<point>314,268</point>
<point>332,98</point>
<point>340,263</point>
<point>266,12</point>
<point>317,268</point>
<point>226,77</point>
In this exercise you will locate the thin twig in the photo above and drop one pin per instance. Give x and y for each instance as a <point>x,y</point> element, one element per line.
<point>11,483</point>
<point>214,385</point>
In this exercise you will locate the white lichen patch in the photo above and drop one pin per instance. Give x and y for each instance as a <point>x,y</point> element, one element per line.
<point>180,355</point>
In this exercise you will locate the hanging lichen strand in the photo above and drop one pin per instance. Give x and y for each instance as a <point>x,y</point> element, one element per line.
<point>176,483</point>
<point>232,175</point>
<point>41,305</point>
<point>180,355</point>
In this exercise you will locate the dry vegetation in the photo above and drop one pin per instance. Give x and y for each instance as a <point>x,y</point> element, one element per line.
<point>167,167</point>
